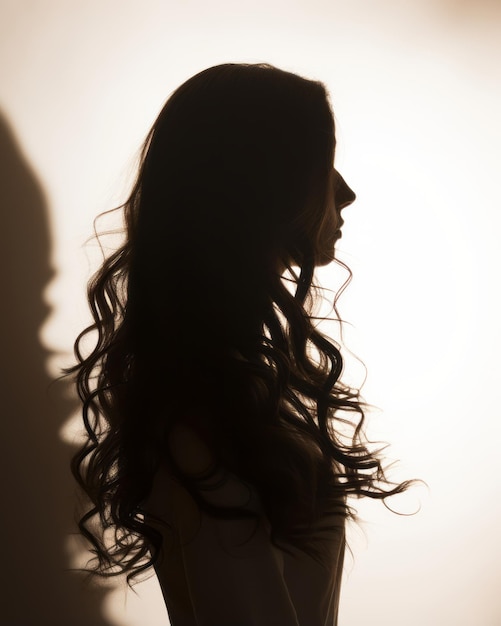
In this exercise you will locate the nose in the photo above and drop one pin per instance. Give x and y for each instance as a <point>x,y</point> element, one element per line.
<point>344,195</point>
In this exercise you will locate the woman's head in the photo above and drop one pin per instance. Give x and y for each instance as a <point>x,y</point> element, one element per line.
<point>250,150</point>
<point>237,183</point>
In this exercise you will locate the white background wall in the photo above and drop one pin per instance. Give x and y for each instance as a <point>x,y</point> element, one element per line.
<point>416,91</point>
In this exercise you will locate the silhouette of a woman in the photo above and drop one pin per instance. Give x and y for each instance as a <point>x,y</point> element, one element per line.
<point>218,447</point>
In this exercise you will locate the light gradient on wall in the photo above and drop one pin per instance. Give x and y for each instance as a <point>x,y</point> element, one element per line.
<point>416,93</point>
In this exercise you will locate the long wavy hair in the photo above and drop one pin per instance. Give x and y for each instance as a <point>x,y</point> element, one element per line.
<point>195,322</point>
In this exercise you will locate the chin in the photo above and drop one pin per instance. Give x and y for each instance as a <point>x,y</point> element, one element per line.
<point>324,259</point>
<point>327,255</point>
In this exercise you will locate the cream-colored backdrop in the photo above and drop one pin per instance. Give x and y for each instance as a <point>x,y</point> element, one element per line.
<point>416,91</point>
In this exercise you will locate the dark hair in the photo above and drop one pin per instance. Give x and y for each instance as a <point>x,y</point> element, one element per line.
<point>195,322</point>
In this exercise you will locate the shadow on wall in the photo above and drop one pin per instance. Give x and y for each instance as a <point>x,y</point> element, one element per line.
<point>37,488</point>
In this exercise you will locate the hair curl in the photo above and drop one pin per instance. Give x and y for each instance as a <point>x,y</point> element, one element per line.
<point>193,320</point>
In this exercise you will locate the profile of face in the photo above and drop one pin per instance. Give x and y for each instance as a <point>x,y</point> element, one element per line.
<point>340,196</point>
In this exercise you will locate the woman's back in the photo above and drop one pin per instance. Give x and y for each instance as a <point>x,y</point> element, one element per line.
<point>218,571</point>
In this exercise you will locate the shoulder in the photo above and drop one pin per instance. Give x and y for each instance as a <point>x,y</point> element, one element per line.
<point>208,476</point>
<point>189,451</point>
<point>168,499</point>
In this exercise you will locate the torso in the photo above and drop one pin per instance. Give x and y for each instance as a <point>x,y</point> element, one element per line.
<point>314,589</point>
